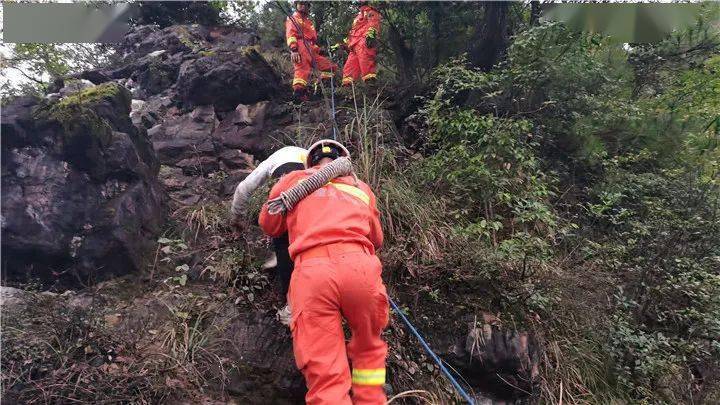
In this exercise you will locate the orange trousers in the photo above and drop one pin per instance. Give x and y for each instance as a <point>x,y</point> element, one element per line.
<point>360,64</point>
<point>330,283</point>
<point>304,68</point>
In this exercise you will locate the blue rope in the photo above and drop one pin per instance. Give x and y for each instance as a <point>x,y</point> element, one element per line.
<point>432,354</point>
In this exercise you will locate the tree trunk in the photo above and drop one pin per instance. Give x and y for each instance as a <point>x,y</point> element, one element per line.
<point>435,14</point>
<point>491,35</point>
<point>534,12</point>
<point>404,55</point>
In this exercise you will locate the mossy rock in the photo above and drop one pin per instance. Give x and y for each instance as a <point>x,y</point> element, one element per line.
<point>97,94</point>
<point>77,113</point>
<point>76,120</point>
<point>83,120</point>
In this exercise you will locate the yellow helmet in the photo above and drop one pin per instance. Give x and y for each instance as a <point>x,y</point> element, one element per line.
<point>324,148</point>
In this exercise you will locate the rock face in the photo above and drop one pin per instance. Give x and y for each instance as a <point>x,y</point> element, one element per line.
<point>496,359</point>
<point>226,80</point>
<point>196,65</point>
<point>80,196</point>
<point>262,350</point>
<point>203,95</point>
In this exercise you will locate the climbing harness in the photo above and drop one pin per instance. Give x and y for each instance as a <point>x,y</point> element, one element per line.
<point>432,354</point>
<point>315,68</point>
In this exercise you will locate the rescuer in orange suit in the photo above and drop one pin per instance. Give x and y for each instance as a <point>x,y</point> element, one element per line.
<point>361,44</point>
<point>301,37</point>
<point>333,233</point>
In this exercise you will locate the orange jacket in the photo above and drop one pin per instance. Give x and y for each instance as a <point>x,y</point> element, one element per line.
<point>337,212</point>
<point>367,23</point>
<point>293,37</point>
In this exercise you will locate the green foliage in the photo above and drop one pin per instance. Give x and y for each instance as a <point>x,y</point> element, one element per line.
<point>663,241</point>
<point>166,13</point>
<point>487,165</point>
<point>30,67</point>
<point>563,112</point>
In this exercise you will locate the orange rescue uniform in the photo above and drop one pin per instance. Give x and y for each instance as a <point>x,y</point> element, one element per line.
<point>295,42</point>
<point>361,58</point>
<point>333,236</point>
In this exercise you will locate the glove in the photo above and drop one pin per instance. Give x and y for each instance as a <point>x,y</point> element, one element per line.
<point>295,57</point>
<point>284,315</point>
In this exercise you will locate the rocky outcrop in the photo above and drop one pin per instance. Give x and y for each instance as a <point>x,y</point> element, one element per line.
<point>80,196</point>
<point>203,95</point>
<point>226,79</point>
<point>195,65</point>
<point>496,359</point>
<point>244,128</point>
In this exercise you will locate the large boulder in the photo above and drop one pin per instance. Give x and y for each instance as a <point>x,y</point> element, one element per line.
<point>185,136</point>
<point>204,65</point>
<point>244,128</point>
<point>80,196</point>
<point>226,79</point>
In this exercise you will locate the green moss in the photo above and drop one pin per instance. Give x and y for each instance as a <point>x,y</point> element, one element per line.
<point>250,51</point>
<point>185,38</point>
<point>75,113</point>
<point>96,94</point>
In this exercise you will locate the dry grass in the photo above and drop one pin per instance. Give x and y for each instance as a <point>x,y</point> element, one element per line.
<point>204,219</point>
<point>575,367</point>
<point>415,228</point>
<point>417,396</point>
<point>279,60</point>
<point>56,354</point>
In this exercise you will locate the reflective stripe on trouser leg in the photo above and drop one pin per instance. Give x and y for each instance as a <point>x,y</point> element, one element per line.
<point>365,307</point>
<point>299,82</point>
<point>369,376</point>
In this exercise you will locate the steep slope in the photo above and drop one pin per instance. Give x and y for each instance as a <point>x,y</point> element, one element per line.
<point>195,319</point>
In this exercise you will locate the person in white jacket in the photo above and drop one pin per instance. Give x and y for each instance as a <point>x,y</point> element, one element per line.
<point>283,161</point>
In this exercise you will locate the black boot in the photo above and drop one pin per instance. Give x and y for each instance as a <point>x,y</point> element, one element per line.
<point>300,95</point>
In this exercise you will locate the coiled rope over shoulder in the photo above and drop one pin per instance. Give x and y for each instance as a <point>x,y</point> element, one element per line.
<point>287,200</point>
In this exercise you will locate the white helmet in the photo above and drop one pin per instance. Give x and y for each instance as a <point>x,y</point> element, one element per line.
<point>325,148</point>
